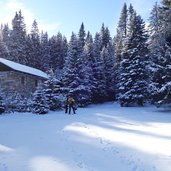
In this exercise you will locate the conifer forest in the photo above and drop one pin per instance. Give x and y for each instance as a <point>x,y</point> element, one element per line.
<point>133,67</point>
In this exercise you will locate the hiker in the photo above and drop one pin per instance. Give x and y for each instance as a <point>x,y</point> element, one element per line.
<point>66,105</point>
<point>70,104</point>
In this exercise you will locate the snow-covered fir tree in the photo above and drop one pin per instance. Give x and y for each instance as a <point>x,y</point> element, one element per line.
<point>64,52</point>
<point>39,103</point>
<point>70,61</point>
<point>4,53</point>
<point>17,43</point>
<point>89,81</point>
<point>107,59</point>
<point>76,77</point>
<point>121,33</point>
<point>107,56</point>
<point>160,77</point>
<point>18,103</point>
<point>35,49</point>
<point>160,53</point>
<point>58,51</point>
<point>54,93</point>
<point>157,47</point>
<point>2,104</point>
<point>105,36</point>
<point>82,35</point>
<point>84,67</point>
<point>83,91</point>
<point>99,93</point>
<point>165,16</point>
<point>45,52</point>
<point>6,37</point>
<point>132,80</point>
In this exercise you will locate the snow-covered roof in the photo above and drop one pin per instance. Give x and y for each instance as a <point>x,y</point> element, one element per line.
<point>23,68</point>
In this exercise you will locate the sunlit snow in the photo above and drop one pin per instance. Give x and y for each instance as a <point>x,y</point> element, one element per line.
<point>102,137</point>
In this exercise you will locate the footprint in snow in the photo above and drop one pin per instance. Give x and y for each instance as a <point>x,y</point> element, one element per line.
<point>80,165</point>
<point>3,167</point>
<point>134,168</point>
<point>115,151</point>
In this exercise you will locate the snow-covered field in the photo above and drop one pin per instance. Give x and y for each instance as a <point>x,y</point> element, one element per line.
<point>98,138</point>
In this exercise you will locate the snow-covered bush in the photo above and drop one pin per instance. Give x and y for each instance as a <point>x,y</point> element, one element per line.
<point>17,103</point>
<point>2,105</point>
<point>39,103</point>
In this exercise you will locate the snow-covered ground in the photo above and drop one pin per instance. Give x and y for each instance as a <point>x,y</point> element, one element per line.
<point>98,138</point>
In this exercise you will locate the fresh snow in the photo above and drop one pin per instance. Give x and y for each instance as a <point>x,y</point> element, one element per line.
<point>23,68</point>
<point>98,138</point>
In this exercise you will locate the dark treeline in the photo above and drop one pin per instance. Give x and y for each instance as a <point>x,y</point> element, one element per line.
<point>134,67</point>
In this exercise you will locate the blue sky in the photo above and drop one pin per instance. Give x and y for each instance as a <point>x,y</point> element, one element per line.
<point>67,15</point>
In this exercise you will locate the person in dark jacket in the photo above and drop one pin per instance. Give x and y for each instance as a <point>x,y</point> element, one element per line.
<point>71,105</point>
<point>66,105</point>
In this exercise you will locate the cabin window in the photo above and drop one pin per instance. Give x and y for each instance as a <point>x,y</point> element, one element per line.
<point>22,80</point>
<point>36,83</point>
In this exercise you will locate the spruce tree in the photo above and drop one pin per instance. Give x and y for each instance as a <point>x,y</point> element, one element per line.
<point>75,71</point>
<point>53,92</point>
<point>83,91</point>
<point>99,93</point>
<point>64,50</point>
<point>160,56</point>
<point>6,34</point>
<point>88,77</point>
<point>45,52</point>
<point>157,47</point>
<point>85,72</point>
<point>29,51</point>
<point>105,36</point>
<point>4,53</point>
<point>2,104</point>
<point>39,102</point>
<point>81,35</point>
<point>35,53</point>
<point>5,42</point>
<point>58,52</point>
<point>132,81</point>
<point>165,15</point>
<point>70,74</point>
<point>17,43</point>
<point>121,33</point>
<point>107,56</point>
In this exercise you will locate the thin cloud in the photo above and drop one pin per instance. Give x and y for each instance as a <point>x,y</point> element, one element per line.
<point>8,9</point>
